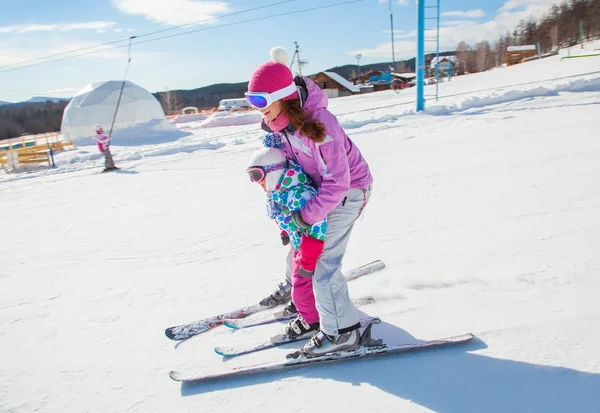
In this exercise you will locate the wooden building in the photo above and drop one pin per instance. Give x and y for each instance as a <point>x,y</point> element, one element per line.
<point>403,80</point>
<point>516,54</point>
<point>365,77</point>
<point>445,65</point>
<point>335,85</point>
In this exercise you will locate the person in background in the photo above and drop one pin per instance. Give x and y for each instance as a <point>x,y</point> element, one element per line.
<point>103,141</point>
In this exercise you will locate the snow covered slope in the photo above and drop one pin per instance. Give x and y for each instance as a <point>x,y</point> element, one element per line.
<point>486,210</point>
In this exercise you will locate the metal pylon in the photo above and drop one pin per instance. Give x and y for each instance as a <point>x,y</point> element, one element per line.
<point>432,39</point>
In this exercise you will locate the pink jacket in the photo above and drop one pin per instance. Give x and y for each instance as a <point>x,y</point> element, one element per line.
<point>335,165</point>
<point>103,141</point>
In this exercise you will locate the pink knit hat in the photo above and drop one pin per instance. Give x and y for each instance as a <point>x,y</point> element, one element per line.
<point>273,75</point>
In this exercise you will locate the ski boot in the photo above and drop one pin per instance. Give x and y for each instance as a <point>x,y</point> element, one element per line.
<point>289,310</point>
<point>299,327</point>
<point>322,344</point>
<point>281,296</point>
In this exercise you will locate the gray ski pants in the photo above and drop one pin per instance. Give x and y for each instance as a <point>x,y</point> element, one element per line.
<point>336,311</point>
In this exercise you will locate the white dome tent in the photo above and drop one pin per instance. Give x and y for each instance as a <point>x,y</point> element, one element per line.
<point>140,118</point>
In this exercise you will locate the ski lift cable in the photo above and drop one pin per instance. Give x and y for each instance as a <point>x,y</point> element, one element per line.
<point>142,35</point>
<point>252,20</point>
<point>185,33</point>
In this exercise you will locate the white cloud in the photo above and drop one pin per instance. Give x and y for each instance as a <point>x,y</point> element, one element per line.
<point>8,58</point>
<point>454,31</point>
<point>403,50</point>
<point>455,22</point>
<point>15,55</point>
<point>60,93</point>
<point>173,12</point>
<point>514,4</point>
<point>401,2</point>
<point>406,35</point>
<point>30,28</point>
<point>469,14</point>
<point>402,34</point>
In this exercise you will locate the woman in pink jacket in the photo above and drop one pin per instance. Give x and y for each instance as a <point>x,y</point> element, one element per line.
<point>103,141</point>
<point>312,136</point>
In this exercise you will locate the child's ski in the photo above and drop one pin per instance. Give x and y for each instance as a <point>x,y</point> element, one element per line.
<point>275,341</point>
<point>185,331</point>
<point>278,316</point>
<point>301,361</point>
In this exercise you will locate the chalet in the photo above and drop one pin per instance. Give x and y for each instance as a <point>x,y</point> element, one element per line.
<point>403,80</point>
<point>516,54</point>
<point>364,77</point>
<point>335,85</point>
<point>444,64</point>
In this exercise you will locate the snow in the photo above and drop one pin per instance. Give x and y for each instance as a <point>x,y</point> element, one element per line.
<point>521,48</point>
<point>343,81</point>
<point>485,209</point>
<point>229,118</point>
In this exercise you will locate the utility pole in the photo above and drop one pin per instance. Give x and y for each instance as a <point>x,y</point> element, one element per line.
<point>300,62</point>
<point>420,55</point>
<point>358,56</point>
<point>392,27</point>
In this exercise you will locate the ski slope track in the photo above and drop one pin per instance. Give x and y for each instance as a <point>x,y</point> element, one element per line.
<point>485,210</point>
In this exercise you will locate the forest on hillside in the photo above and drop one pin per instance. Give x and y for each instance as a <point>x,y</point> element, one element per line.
<point>564,25</point>
<point>31,118</point>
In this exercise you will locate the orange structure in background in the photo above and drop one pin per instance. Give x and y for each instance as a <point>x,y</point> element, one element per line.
<point>516,54</point>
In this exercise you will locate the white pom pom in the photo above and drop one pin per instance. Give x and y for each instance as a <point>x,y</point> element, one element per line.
<point>279,55</point>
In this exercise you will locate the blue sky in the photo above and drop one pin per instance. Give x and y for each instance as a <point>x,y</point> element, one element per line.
<point>217,53</point>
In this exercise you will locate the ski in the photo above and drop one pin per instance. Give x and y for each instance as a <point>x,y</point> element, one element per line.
<point>302,361</point>
<point>185,331</point>
<point>279,316</point>
<point>275,341</point>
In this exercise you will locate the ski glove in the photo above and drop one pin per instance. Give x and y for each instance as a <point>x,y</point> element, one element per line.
<point>310,250</point>
<point>285,238</point>
<point>300,223</point>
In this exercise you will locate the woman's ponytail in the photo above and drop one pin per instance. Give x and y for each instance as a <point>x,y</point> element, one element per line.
<point>313,130</point>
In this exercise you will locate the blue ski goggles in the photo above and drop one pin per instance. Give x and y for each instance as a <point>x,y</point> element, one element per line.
<point>261,100</point>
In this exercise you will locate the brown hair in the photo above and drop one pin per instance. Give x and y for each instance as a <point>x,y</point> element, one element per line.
<point>314,130</point>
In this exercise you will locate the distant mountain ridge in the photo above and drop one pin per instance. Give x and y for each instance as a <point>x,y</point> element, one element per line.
<point>42,99</point>
<point>36,99</point>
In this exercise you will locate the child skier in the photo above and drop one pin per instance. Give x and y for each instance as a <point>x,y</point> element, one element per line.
<point>288,189</point>
<point>104,145</point>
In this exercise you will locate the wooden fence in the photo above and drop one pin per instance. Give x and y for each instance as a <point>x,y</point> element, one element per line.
<point>32,149</point>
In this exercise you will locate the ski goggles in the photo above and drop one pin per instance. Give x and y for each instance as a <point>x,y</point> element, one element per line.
<point>261,100</point>
<point>259,173</point>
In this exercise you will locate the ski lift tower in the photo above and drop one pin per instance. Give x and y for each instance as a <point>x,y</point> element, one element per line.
<point>434,36</point>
